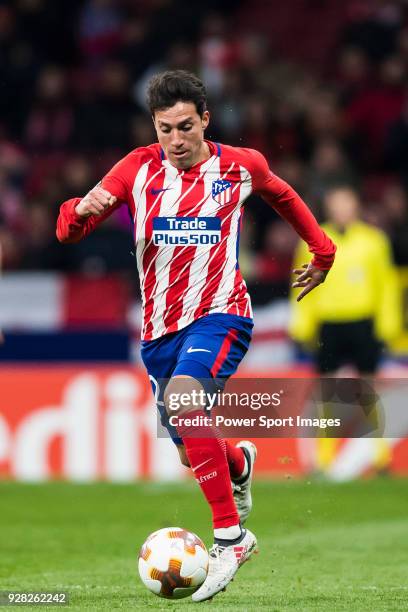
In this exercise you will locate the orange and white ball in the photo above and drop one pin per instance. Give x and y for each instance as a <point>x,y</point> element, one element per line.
<point>173,563</point>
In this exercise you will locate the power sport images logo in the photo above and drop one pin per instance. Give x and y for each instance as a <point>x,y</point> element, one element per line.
<point>186,231</point>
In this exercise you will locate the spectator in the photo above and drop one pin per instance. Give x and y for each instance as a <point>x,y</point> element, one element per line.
<point>66,94</point>
<point>372,113</point>
<point>100,27</point>
<point>396,203</point>
<point>328,168</point>
<point>396,145</point>
<point>49,124</point>
<point>103,119</point>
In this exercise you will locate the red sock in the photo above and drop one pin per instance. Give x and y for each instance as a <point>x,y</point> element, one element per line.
<point>207,457</point>
<point>235,458</point>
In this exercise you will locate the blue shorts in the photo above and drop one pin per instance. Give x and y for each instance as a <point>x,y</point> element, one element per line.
<point>210,349</point>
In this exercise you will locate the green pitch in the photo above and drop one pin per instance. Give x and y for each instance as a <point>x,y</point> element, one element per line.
<point>322,546</point>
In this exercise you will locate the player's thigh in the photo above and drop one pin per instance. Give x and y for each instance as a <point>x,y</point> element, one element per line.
<point>217,344</point>
<point>160,358</point>
<point>211,353</point>
<point>183,393</point>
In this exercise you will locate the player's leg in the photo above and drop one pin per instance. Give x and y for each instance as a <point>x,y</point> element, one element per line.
<point>221,342</point>
<point>241,459</point>
<point>241,485</point>
<point>160,358</point>
<point>183,455</point>
<point>233,545</point>
<point>234,335</point>
<point>218,343</point>
<point>237,458</point>
<point>237,461</point>
<point>205,451</point>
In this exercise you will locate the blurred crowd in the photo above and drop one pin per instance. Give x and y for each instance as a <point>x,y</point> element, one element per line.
<point>73,77</point>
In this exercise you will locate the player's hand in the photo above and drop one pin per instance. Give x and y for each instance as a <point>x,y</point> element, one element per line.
<point>96,202</point>
<point>309,277</point>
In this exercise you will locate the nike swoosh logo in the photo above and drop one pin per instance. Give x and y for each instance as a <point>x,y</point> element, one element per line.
<point>201,464</point>
<point>157,191</point>
<point>193,350</point>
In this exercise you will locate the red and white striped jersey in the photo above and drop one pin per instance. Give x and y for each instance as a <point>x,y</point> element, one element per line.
<point>187,227</point>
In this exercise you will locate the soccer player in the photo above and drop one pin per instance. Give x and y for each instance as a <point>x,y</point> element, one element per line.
<point>185,195</point>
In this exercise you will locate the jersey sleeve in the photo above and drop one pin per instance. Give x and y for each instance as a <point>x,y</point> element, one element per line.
<point>118,180</point>
<point>290,206</point>
<point>71,227</point>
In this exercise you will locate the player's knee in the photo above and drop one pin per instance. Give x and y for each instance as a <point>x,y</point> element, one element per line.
<point>183,394</point>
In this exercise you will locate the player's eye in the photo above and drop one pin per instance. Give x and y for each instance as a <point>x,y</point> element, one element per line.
<point>186,128</point>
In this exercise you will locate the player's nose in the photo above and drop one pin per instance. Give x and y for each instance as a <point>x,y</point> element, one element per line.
<point>177,140</point>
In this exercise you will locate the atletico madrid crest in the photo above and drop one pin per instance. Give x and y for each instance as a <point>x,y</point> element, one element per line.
<point>221,191</point>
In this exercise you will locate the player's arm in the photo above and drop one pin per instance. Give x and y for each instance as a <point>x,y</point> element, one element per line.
<point>80,216</point>
<point>290,206</point>
<point>304,317</point>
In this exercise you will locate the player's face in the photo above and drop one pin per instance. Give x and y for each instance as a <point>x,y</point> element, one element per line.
<point>180,132</point>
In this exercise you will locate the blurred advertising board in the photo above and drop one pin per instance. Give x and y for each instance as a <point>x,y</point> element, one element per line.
<point>99,422</point>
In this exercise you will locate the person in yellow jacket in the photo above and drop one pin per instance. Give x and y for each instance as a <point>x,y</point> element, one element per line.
<point>357,310</point>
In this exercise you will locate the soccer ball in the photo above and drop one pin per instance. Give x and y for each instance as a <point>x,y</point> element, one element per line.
<point>173,563</point>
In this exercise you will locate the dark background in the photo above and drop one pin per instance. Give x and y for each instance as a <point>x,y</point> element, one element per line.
<point>320,87</point>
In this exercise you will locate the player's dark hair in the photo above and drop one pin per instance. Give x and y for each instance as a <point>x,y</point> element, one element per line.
<point>167,88</point>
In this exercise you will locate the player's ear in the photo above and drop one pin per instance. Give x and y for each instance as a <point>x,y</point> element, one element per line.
<point>205,119</point>
<point>155,125</point>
